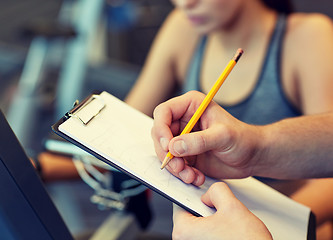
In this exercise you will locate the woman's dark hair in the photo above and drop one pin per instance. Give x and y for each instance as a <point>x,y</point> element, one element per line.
<point>282,6</point>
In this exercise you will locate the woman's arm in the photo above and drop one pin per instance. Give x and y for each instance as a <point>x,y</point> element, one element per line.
<point>307,62</point>
<point>173,44</point>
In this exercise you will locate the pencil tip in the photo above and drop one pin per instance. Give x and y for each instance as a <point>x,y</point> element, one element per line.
<point>165,161</point>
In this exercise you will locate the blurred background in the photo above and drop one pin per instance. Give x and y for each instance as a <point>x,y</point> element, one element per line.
<point>53,52</point>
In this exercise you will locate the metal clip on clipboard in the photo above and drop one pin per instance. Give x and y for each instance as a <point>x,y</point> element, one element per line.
<point>92,106</point>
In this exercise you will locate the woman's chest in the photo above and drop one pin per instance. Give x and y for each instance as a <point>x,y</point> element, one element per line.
<point>242,80</point>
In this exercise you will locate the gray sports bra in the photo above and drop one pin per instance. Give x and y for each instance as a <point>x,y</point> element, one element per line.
<point>267,103</point>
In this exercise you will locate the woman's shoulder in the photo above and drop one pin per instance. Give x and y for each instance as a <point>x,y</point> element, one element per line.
<point>307,34</point>
<point>308,54</point>
<point>301,19</point>
<point>308,26</point>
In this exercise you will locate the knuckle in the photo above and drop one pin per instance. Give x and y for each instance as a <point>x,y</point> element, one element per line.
<point>201,142</point>
<point>227,136</point>
<point>156,110</point>
<point>219,185</point>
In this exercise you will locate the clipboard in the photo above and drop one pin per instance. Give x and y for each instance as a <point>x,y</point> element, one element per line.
<point>100,105</point>
<point>116,133</point>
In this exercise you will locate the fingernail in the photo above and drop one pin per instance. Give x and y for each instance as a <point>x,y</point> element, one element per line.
<point>196,180</point>
<point>183,175</point>
<point>180,147</point>
<point>164,143</point>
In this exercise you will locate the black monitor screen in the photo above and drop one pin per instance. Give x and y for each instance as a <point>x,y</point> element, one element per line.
<point>26,210</point>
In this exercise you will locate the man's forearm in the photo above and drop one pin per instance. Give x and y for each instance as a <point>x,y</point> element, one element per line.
<point>297,148</point>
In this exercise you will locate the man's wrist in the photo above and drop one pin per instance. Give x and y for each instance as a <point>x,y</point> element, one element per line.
<point>260,161</point>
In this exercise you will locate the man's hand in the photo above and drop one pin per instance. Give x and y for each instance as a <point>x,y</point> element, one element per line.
<point>232,219</point>
<point>219,146</point>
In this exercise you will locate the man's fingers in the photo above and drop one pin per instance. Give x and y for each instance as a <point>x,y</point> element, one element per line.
<point>219,196</point>
<point>217,137</point>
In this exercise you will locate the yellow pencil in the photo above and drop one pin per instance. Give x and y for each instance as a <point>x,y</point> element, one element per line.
<point>209,97</point>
